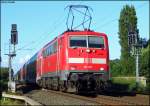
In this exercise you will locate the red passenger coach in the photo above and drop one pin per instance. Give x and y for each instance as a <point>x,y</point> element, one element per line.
<point>22,75</point>
<point>77,59</point>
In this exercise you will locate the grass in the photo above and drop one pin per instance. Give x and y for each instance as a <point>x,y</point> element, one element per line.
<point>14,93</point>
<point>122,80</point>
<point>7,101</point>
<point>127,85</point>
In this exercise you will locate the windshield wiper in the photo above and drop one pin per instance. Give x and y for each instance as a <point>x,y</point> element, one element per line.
<point>74,47</point>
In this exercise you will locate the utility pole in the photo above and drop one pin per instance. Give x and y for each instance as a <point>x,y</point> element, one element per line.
<point>13,41</point>
<point>0,53</point>
<point>137,68</point>
<point>9,60</point>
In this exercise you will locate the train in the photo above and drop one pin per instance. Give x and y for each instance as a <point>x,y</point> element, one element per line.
<point>76,59</point>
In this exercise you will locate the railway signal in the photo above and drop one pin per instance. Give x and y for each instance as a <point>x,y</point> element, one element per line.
<point>135,49</point>
<point>13,41</point>
<point>14,34</point>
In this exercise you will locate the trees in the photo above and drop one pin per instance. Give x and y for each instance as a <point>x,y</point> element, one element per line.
<point>125,66</point>
<point>115,68</point>
<point>127,21</point>
<point>144,62</point>
<point>4,74</point>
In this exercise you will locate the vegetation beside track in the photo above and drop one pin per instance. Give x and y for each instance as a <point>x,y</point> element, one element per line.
<point>3,78</point>
<point>125,66</point>
<point>124,84</point>
<point>8,101</point>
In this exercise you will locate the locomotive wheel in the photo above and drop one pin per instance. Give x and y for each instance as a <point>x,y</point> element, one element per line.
<point>78,88</point>
<point>43,83</point>
<point>63,86</point>
<point>97,86</point>
<point>102,86</point>
<point>49,83</point>
<point>40,83</point>
<point>57,87</point>
<point>71,87</point>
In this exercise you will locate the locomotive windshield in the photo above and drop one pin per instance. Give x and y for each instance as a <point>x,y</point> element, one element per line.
<point>76,41</point>
<point>95,42</point>
<point>87,41</point>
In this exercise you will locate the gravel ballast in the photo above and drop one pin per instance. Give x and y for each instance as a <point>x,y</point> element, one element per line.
<point>48,98</point>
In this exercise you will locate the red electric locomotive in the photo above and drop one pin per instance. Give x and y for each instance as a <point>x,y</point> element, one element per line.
<point>77,59</point>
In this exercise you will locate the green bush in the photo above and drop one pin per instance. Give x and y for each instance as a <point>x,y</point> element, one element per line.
<point>144,62</point>
<point>4,73</point>
<point>130,85</point>
<point>147,88</point>
<point>3,85</point>
<point>3,78</point>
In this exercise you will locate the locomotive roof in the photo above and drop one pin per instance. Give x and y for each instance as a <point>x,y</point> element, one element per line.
<point>71,32</point>
<point>78,32</point>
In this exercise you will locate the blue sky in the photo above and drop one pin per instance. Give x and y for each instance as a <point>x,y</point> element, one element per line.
<point>39,22</point>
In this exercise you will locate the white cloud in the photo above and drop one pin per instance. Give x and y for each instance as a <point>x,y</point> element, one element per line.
<point>23,60</point>
<point>4,62</point>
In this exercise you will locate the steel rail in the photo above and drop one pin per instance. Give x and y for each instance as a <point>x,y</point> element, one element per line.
<point>102,100</point>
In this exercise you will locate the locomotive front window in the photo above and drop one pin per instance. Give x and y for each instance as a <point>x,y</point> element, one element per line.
<point>95,42</point>
<point>78,41</point>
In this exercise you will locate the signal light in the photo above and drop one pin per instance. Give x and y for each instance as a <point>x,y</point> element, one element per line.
<point>14,34</point>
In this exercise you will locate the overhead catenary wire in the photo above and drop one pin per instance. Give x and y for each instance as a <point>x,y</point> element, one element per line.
<point>107,23</point>
<point>54,29</point>
<point>115,19</point>
<point>43,36</point>
<point>55,25</point>
<point>22,48</point>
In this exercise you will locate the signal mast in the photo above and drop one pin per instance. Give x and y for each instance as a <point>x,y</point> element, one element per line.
<point>12,42</point>
<point>135,48</point>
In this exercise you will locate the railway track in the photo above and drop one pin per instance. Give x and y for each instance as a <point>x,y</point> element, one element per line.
<point>114,101</point>
<point>100,99</point>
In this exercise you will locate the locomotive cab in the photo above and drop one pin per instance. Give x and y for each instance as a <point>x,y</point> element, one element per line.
<point>88,58</point>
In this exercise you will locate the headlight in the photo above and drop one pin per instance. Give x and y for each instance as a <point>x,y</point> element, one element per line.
<point>101,69</point>
<point>72,68</point>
